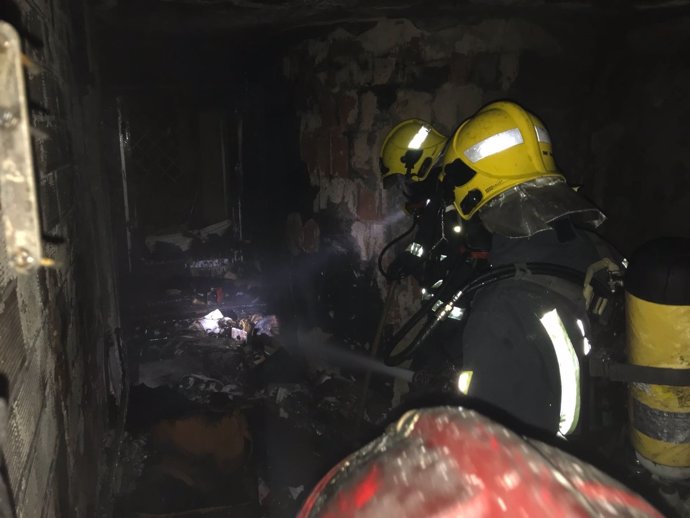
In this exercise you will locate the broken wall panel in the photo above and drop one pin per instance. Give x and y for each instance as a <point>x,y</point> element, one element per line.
<point>55,323</point>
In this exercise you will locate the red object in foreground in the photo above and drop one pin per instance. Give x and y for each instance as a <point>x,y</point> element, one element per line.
<point>450,462</point>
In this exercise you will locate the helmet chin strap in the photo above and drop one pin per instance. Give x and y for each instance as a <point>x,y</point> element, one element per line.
<point>410,158</point>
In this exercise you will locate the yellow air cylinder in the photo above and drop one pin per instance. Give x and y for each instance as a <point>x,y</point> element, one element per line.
<point>658,335</point>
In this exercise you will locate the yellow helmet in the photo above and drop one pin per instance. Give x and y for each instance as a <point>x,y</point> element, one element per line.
<point>411,148</point>
<point>500,147</point>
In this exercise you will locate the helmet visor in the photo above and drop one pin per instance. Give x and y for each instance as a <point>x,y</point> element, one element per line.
<point>531,207</point>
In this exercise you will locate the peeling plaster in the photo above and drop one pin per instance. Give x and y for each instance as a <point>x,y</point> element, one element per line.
<point>411,103</point>
<point>387,35</point>
<point>362,153</point>
<point>339,191</point>
<point>383,69</point>
<point>318,49</point>
<point>435,50</point>
<point>370,238</point>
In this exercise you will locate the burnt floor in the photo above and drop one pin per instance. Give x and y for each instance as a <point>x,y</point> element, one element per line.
<point>226,417</point>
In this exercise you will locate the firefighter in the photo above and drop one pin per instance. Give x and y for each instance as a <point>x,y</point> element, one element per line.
<point>410,150</point>
<point>523,340</point>
<point>409,161</point>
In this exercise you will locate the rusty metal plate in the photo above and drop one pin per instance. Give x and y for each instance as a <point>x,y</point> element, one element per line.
<point>18,203</point>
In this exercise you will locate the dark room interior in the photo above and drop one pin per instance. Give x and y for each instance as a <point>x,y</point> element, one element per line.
<point>219,276</point>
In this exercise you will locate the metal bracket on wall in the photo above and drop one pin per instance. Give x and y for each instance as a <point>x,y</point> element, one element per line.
<point>18,201</point>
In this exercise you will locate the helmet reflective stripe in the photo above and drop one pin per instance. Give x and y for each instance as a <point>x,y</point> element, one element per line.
<point>494,144</point>
<point>410,149</point>
<point>568,368</point>
<point>543,135</point>
<point>419,138</point>
<point>503,146</point>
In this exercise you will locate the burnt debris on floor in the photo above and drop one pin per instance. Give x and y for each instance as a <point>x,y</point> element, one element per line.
<point>234,407</point>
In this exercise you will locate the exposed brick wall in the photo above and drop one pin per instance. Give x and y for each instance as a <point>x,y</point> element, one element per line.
<point>612,92</point>
<point>57,324</point>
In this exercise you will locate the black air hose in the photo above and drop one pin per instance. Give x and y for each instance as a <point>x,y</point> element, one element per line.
<point>389,245</point>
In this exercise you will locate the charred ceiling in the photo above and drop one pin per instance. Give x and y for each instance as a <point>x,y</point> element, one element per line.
<point>220,16</point>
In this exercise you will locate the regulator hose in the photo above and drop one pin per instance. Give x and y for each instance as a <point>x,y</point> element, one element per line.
<point>389,245</point>
<point>457,276</point>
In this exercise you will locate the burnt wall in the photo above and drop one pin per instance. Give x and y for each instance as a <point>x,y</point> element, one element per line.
<point>59,347</point>
<point>610,88</point>
<point>355,83</point>
<point>640,111</point>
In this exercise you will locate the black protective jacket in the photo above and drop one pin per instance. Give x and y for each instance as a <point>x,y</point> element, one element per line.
<point>506,343</point>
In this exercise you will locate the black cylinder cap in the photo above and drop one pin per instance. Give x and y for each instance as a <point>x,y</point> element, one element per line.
<point>659,272</point>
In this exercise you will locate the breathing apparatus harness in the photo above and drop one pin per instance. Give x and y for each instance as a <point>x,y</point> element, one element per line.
<point>449,298</point>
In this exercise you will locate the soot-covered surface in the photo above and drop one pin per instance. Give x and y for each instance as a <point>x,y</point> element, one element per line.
<point>231,413</point>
